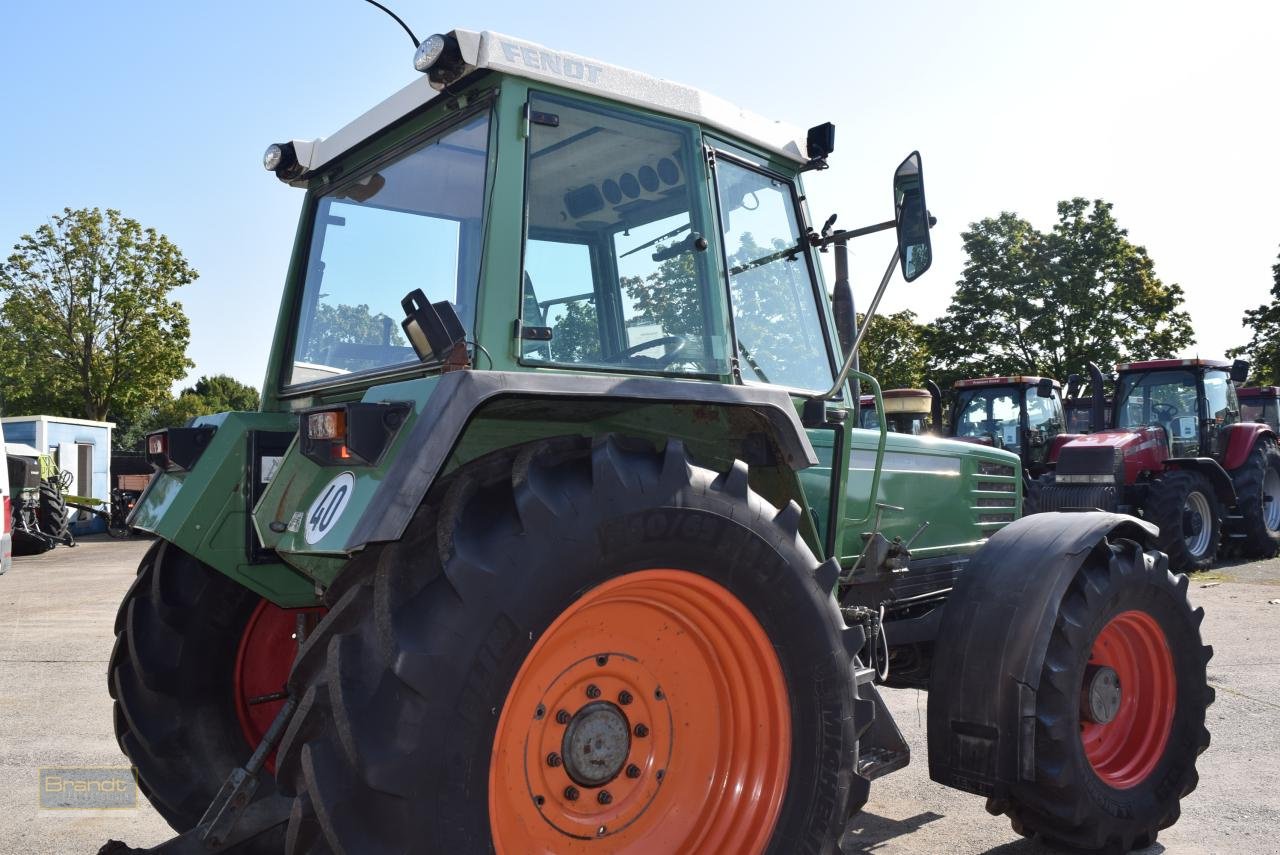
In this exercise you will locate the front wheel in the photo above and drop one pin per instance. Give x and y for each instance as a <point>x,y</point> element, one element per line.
<point>1120,709</point>
<point>580,649</point>
<point>1189,515</point>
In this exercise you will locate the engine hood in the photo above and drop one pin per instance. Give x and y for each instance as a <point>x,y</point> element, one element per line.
<point>1104,453</point>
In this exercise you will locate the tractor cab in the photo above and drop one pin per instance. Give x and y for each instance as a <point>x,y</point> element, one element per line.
<point>1260,404</point>
<point>910,411</point>
<point>1019,414</point>
<point>1191,401</point>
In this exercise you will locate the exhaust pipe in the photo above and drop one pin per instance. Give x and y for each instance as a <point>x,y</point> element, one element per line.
<point>1097,412</point>
<point>935,407</point>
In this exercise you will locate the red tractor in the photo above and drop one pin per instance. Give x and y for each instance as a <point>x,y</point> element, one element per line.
<point>1260,404</point>
<point>1177,454</point>
<point>1019,414</point>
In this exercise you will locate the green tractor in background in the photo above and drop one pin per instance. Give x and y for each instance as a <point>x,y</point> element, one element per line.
<point>556,530</point>
<point>40,519</point>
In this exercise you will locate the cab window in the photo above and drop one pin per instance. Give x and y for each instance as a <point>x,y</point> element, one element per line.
<point>615,270</point>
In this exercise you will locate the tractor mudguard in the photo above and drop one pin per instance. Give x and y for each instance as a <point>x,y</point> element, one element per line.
<point>1223,486</point>
<point>459,395</point>
<point>1241,438</point>
<point>993,640</point>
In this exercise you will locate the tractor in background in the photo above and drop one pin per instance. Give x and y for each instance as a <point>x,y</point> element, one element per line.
<point>1260,404</point>
<point>556,530</point>
<point>1020,414</point>
<point>39,517</point>
<point>910,411</point>
<point>1178,454</point>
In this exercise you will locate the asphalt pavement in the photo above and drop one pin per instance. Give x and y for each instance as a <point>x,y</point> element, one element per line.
<point>56,614</point>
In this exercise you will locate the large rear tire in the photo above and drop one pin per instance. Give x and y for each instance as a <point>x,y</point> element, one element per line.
<point>1189,514</point>
<point>1120,709</point>
<point>179,634</point>
<point>576,647</point>
<point>1258,493</point>
<point>52,513</point>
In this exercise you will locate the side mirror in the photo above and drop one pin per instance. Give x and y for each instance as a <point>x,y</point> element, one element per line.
<point>434,329</point>
<point>1239,371</point>
<point>1074,381</point>
<point>1044,389</point>
<point>912,218</point>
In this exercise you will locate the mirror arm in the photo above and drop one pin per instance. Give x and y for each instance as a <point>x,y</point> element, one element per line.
<point>852,356</point>
<point>826,240</point>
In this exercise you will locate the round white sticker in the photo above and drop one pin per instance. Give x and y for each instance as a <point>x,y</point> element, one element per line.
<point>328,507</point>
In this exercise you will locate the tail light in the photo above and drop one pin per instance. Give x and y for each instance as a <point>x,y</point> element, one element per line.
<point>357,433</point>
<point>178,449</point>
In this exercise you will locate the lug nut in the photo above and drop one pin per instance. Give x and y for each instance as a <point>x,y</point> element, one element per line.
<point>602,661</point>
<point>593,691</point>
<point>553,759</point>
<point>657,693</point>
<point>539,800</point>
<point>624,697</point>
<point>540,712</point>
<point>562,717</point>
<point>633,771</point>
<point>642,730</point>
<point>603,797</point>
<point>571,793</point>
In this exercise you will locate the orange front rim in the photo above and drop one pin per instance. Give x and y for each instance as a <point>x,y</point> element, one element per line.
<point>652,716</point>
<point>1125,742</point>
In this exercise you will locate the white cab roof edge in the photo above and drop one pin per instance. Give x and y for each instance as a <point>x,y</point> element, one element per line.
<point>510,55</point>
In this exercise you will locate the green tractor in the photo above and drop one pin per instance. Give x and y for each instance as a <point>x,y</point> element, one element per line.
<point>555,531</point>
<point>40,519</point>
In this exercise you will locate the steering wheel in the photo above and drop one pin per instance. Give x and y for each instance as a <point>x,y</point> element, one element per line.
<point>632,353</point>
<point>1164,412</point>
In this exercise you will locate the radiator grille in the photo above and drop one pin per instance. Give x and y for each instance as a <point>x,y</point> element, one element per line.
<point>1077,497</point>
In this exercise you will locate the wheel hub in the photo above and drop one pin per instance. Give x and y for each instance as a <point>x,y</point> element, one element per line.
<point>1102,694</point>
<point>596,744</point>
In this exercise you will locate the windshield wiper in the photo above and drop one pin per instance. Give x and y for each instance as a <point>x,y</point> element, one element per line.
<point>648,244</point>
<point>791,251</point>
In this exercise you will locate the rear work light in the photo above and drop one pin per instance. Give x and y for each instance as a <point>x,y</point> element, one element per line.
<point>350,434</point>
<point>178,449</point>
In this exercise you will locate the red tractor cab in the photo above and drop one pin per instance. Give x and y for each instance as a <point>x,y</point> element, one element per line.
<point>913,411</point>
<point>1260,404</point>
<point>1177,453</point>
<point>1019,414</point>
<point>1079,407</point>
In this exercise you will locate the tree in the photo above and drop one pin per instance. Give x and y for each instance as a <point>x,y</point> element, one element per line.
<point>210,394</point>
<point>893,350</point>
<point>1263,348</point>
<point>88,326</point>
<point>1030,302</point>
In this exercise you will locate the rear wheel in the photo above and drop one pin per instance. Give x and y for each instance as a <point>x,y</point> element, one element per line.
<point>580,648</point>
<point>1120,709</point>
<point>1189,515</point>
<point>52,513</point>
<point>193,654</point>
<point>1258,491</point>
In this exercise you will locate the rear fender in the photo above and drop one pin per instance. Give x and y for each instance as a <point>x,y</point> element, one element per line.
<point>992,643</point>
<point>1241,438</point>
<point>1221,482</point>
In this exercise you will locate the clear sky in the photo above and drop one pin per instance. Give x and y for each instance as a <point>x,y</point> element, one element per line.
<point>1166,109</point>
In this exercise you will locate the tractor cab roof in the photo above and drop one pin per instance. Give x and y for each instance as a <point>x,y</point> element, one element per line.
<point>902,400</point>
<point>1015,380</point>
<point>1154,364</point>
<point>1259,392</point>
<point>489,51</point>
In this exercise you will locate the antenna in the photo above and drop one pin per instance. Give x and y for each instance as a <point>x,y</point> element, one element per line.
<point>397,20</point>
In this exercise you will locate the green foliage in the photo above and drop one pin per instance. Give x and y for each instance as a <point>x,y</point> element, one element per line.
<point>894,350</point>
<point>87,327</point>
<point>1263,349</point>
<point>1030,302</point>
<point>336,324</point>
<point>577,334</point>
<point>216,394</point>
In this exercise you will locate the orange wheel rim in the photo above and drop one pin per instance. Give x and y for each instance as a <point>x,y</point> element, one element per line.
<point>1128,701</point>
<point>652,716</point>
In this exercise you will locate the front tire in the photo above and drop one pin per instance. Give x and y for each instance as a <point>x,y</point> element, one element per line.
<point>1120,709</point>
<point>179,634</point>
<point>1189,515</point>
<point>1258,492</point>
<point>576,645</point>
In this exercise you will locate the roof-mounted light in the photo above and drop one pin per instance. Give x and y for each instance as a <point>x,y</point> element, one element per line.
<point>272,157</point>
<point>429,52</point>
<point>282,159</point>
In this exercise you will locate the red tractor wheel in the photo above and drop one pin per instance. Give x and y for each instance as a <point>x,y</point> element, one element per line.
<point>1258,493</point>
<point>1189,515</point>
<point>1120,708</point>
<point>580,649</point>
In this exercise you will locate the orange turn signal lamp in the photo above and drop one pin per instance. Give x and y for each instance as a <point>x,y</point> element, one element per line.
<point>356,433</point>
